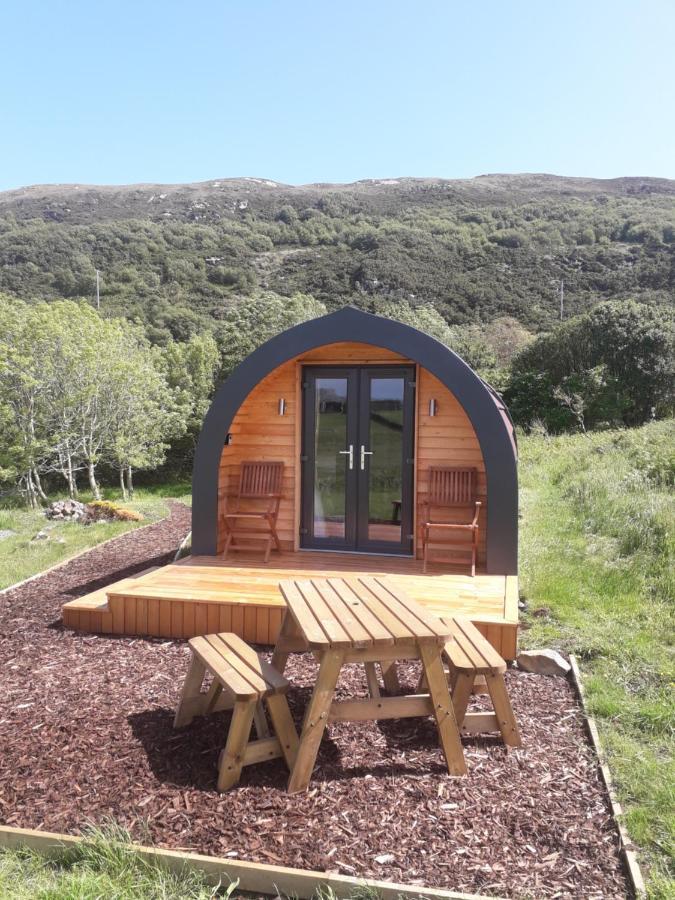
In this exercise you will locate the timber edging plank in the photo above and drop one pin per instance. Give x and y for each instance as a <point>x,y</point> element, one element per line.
<point>253,877</point>
<point>627,847</point>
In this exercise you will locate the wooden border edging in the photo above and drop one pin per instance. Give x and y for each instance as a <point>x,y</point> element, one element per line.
<point>69,559</point>
<point>253,877</point>
<point>627,847</point>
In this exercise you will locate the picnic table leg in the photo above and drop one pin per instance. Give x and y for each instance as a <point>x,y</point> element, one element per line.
<point>316,718</point>
<point>390,676</point>
<point>444,714</point>
<point>289,629</point>
<point>371,677</point>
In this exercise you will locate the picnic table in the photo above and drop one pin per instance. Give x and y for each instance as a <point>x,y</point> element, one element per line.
<point>363,620</point>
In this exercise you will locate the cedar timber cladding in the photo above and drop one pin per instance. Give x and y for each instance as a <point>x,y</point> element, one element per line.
<point>259,432</point>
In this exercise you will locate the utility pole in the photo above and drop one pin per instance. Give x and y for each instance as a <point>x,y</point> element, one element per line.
<point>98,293</point>
<point>562,299</point>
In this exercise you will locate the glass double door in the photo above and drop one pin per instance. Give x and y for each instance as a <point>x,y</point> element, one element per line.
<point>357,455</point>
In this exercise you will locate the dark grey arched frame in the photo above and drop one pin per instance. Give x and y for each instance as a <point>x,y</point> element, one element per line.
<point>348,324</point>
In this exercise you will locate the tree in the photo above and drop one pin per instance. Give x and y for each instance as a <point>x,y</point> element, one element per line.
<point>249,323</point>
<point>23,394</point>
<point>618,359</point>
<point>190,368</point>
<point>76,389</point>
<point>148,413</point>
<point>637,344</point>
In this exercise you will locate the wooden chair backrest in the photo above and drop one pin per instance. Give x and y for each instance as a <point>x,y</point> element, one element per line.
<point>452,487</point>
<point>259,479</point>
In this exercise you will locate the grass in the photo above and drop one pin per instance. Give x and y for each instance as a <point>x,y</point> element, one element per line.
<point>106,866</point>
<point>598,535</point>
<point>21,557</point>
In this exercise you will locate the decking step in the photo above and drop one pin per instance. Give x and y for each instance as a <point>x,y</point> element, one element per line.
<point>92,611</point>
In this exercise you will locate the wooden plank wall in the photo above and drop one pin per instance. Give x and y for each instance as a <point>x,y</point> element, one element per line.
<point>447,439</point>
<point>259,432</point>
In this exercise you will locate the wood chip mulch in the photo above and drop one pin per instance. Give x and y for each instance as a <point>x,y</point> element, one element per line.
<point>86,736</point>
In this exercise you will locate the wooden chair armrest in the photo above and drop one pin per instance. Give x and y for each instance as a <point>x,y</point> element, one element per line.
<point>476,513</point>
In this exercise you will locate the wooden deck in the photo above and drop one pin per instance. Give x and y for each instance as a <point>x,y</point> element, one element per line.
<point>199,595</point>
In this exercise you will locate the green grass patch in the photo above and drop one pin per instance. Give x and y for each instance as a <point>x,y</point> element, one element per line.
<point>21,556</point>
<point>106,866</point>
<point>598,547</point>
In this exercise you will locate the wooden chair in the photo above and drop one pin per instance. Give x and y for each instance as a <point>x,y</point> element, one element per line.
<point>242,680</point>
<point>470,655</point>
<point>257,500</point>
<point>450,489</point>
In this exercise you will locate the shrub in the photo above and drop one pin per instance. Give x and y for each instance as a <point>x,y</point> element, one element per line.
<point>106,509</point>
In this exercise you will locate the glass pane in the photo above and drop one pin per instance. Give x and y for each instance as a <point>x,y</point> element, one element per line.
<point>330,466</point>
<point>386,444</point>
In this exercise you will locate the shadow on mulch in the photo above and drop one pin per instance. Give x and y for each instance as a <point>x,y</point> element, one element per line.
<point>88,587</point>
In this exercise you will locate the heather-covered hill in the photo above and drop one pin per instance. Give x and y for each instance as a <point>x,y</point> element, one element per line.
<point>177,256</point>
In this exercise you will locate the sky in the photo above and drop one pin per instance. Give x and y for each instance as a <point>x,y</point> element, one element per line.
<point>334,90</point>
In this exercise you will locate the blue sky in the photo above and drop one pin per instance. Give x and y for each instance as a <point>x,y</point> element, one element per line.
<point>334,90</point>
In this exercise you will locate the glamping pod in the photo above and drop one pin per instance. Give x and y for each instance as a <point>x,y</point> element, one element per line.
<point>348,443</point>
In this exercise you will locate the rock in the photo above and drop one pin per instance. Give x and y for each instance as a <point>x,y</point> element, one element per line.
<point>543,662</point>
<point>385,858</point>
<point>71,510</point>
<point>41,536</point>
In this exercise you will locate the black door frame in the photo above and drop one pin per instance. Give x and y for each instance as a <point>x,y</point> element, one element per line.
<point>357,479</point>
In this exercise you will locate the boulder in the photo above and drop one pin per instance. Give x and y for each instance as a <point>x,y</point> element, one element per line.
<point>543,662</point>
<point>71,510</point>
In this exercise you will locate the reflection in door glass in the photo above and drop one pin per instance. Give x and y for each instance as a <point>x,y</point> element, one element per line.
<point>385,481</point>
<point>330,466</point>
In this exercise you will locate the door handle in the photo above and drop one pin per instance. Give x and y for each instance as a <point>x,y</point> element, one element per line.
<point>364,453</point>
<point>350,454</point>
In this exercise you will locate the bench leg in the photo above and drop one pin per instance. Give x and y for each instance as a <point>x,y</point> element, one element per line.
<point>282,723</point>
<point>461,692</point>
<point>232,757</point>
<point>191,687</point>
<point>502,707</point>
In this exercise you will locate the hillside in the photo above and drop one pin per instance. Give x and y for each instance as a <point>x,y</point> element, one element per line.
<point>175,256</point>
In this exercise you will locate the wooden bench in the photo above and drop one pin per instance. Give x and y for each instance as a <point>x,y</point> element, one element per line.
<point>242,680</point>
<point>470,655</point>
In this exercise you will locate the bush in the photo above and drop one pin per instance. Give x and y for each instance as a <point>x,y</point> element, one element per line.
<point>98,510</point>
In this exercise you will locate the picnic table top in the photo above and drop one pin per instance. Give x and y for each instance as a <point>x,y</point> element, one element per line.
<point>359,612</point>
